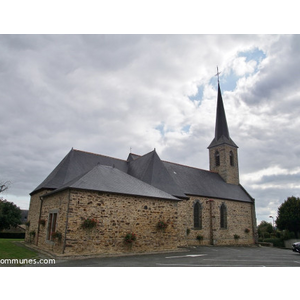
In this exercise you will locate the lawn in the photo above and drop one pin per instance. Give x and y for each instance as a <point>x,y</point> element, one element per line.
<point>10,249</point>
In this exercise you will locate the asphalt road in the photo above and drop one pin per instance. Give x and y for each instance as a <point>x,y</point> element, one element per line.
<point>204,256</point>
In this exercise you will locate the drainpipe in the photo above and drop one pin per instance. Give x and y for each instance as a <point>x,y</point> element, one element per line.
<point>211,221</point>
<point>67,218</point>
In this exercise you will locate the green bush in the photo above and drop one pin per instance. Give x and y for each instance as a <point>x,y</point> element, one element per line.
<point>199,237</point>
<point>288,235</point>
<point>236,236</point>
<point>275,241</point>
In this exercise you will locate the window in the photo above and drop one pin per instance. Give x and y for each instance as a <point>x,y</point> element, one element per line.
<point>51,225</point>
<point>231,158</point>
<point>197,215</point>
<point>217,158</point>
<point>223,216</point>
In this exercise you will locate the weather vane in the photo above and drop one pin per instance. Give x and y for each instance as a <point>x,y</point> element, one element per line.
<point>218,73</point>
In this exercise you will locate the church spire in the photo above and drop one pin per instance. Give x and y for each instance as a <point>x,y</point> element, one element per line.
<point>223,156</point>
<point>221,128</point>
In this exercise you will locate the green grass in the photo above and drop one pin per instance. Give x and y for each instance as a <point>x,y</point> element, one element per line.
<point>10,249</point>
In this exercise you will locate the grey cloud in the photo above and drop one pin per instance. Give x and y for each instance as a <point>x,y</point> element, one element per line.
<point>107,93</point>
<point>279,76</point>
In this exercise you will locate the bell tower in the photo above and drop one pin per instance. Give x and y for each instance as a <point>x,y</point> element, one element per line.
<point>223,156</point>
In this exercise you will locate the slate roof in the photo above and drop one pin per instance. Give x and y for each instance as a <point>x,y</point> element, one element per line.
<point>149,168</point>
<point>204,183</point>
<point>145,175</point>
<point>111,180</point>
<point>75,164</point>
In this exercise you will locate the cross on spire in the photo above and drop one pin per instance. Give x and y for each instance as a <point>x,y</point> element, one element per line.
<point>218,73</point>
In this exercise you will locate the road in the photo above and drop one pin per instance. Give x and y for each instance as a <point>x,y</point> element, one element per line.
<point>205,256</point>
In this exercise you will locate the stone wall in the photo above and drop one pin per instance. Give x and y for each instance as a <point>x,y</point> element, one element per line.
<point>116,216</point>
<point>239,218</point>
<point>33,217</point>
<point>57,203</point>
<point>228,172</point>
<point>289,243</point>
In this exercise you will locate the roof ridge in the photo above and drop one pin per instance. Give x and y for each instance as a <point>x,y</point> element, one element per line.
<point>88,152</point>
<point>140,156</point>
<point>135,154</point>
<point>178,164</point>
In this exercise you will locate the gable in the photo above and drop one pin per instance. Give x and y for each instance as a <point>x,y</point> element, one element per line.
<point>150,169</point>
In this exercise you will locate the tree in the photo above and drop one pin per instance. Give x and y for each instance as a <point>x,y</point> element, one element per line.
<point>10,215</point>
<point>264,227</point>
<point>289,215</point>
<point>4,185</point>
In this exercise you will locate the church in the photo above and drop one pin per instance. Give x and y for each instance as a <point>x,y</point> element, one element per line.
<point>95,204</point>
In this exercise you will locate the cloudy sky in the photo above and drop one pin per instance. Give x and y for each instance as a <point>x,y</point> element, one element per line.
<point>109,93</point>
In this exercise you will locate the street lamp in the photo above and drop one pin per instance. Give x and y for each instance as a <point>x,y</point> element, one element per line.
<point>273,221</point>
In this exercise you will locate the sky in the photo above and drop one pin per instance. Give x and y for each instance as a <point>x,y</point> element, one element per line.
<point>109,93</point>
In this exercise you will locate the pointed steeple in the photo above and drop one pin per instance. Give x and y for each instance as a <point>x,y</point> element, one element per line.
<point>223,156</point>
<point>221,123</point>
<point>221,129</point>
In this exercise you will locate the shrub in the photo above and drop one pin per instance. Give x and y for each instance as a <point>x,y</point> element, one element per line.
<point>89,223</point>
<point>199,237</point>
<point>161,225</point>
<point>12,235</point>
<point>288,235</point>
<point>236,236</point>
<point>275,241</point>
<point>129,238</point>
<point>56,235</point>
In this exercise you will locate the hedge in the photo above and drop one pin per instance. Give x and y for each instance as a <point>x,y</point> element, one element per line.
<point>12,235</point>
<point>275,241</point>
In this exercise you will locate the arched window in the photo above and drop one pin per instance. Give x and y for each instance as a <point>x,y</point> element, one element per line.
<point>223,216</point>
<point>217,158</point>
<point>231,158</point>
<point>197,215</point>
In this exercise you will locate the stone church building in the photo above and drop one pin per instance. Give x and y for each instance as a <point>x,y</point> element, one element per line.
<point>90,203</point>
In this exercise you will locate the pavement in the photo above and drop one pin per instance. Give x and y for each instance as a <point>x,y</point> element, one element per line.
<point>202,256</point>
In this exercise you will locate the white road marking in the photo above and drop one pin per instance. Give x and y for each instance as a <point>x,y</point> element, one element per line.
<point>190,255</point>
